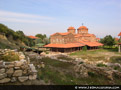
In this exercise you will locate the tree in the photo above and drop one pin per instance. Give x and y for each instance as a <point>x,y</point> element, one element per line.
<point>46,41</point>
<point>41,36</point>
<point>84,48</point>
<point>108,40</point>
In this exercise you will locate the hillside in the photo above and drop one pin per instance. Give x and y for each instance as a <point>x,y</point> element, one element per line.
<point>13,39</point>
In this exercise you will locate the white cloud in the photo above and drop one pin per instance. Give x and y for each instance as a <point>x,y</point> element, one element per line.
<point>23,17</point>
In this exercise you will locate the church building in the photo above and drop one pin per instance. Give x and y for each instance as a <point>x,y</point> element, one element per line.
<point>71,41</point>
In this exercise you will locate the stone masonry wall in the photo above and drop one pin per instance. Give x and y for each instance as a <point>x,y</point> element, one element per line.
<point>15,71</point>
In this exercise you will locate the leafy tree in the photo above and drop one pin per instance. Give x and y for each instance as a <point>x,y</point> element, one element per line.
<point>108,40</point>
<point>41,36</point>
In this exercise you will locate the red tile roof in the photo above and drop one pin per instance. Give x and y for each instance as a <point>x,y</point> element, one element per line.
<point>91,44</point>
<point>78,35</point>
<point>32,37</point>
<point>70,45</point>
<point>119,34</point>
<point>98,38</point>
<point>82,27</point>
<point>86,35</point>
<point>61,33</point>
<point>70,28</point>
<point>116,39</point>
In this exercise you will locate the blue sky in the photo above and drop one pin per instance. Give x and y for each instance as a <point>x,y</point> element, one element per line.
<point>102,17</point>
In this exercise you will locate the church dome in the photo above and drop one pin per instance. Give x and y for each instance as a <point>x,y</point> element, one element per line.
<point>82,27</point>
<point>70,28</point>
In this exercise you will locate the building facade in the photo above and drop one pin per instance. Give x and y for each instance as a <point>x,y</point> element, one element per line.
<point>71,39</point>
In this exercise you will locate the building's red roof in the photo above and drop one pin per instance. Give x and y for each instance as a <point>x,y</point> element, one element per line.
<point>82,27</point>
<point>78,35</point>
<point>119,43</point>
<point>119,34</point>
<point>86,35</point>
<point>69,45</point>
<point>98,38</point>
<point>32,37</point>
<point>61,33</point>
<point>116,39</point>
<point>70,28</point>
<point>91,44</point>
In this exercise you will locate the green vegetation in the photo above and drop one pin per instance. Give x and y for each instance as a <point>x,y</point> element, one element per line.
<point>81,62</point>
<point>101,65</point>
<point>108,41</point>
<point>62,73</point>
<point>116,59</point>
<point>56,63</point>
<point>84,48</point>
<point>16,38</point>
<point>96,55</point>
<point>65,58</point>
<point>43,39</point>
<point>9,56</point>
<point>92,74</point>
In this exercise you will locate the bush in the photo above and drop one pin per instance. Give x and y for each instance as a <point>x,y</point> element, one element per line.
<point>81,62</point>
<point>84,48</point>
<point>10,56</point>
<point>92,74</point>
<point>101,65</point>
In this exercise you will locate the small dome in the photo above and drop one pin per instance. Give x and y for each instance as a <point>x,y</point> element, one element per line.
<point>71,28</point>
<point>82,27</point>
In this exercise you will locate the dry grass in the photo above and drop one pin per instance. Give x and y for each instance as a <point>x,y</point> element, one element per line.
<point>97,55</point>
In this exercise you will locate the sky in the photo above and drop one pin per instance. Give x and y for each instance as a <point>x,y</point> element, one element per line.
<point>101,17</point>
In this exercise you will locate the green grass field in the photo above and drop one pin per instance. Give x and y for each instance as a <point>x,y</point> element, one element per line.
<point>62,73</point>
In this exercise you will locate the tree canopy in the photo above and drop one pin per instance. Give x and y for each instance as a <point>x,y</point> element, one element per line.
<point>108,40</point>
<point>42,39</point>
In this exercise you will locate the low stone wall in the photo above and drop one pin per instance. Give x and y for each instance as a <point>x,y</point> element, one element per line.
<point>17,71</point>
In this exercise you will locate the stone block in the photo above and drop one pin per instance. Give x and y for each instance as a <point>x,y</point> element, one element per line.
<point>23,78</point>
<point>10,71</point>
<point>32,77</point>
<point>17,73</point>
<point>2,71</point>
<point>4,75</point>
<point>5,80</point>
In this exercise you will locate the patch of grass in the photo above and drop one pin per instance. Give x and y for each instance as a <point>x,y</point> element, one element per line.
<point>117,68</point>
<point>92,74</point>
<point>10,56</point>
<point>58,74</point>
<point>65,58</point>
<point>88,52</point>
<point>56,63</point>
<point>116,59</point>
<point>101,65</point>
<point>4,46</point>
<point>59,78</point>
<point>81,62</point>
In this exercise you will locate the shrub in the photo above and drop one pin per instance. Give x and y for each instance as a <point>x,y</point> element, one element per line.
<point>92,74</point>
<point>101,65</point>
<point>10,56</point>
<point>84,48</point>
<point>81,62</point>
